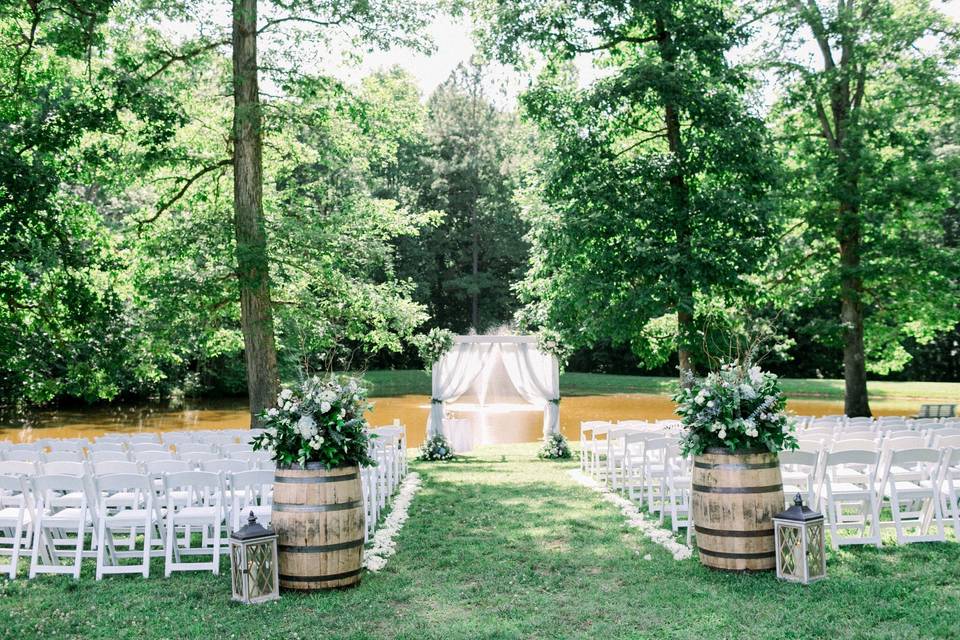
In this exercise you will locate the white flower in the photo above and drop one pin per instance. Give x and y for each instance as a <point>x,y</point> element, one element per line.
<point>756,376</point>
<point>710,403</point>
<point>324,407</point>
<point>307,427</point>
<point>286,394</point>
<point>722,434</point>
<point>273,412</point>
<point>747,391</point>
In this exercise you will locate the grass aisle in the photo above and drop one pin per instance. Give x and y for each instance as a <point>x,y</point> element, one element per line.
<point>512,548</point>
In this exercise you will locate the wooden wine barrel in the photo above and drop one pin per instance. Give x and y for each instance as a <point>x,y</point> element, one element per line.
<point>735,496</point>
<point>318,516</point>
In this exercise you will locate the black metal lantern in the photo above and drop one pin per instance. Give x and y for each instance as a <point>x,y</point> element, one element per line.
<point>253,563</point>
<point>800,547</point>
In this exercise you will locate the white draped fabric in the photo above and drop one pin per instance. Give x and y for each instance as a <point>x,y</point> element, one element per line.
<point>535,375</point>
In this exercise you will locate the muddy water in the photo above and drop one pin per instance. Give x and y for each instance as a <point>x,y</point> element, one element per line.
<point>492,426</point>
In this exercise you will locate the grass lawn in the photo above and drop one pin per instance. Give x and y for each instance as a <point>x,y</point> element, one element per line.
<point>386,383</point>
<point>504,546</point>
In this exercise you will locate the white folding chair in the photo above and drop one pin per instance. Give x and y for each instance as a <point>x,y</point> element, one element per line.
<point>144,438</point>
<point>192,447</point>
<point>16,522</point>
<point>251,491</point>
<point>801,474</point>
<point>197,458</point>
<point>132,515</point>
<point>54,526</point>
<point>224,465</point>
<point>255,459</point>
<point>229,449</point>
<point>65,455</point>
<point>911,481</point>
<point>853,444</point>
<point>23,454</point>
<point>100,447</point>
<point>586,443</point>
<point>147,447</point>
<point>849,480</point>
<point>203,510</point>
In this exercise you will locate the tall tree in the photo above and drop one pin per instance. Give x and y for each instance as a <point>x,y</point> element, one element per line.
<point>859,125</point>
<point>654,195</point>
<point>253,265</point>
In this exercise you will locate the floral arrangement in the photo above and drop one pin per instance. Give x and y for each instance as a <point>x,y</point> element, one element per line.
<point>433,345</point>
<point>737,407</point>
<point>436,448</point>
<point>555,447</point>
<point>550,341</point>
<point>322,421</point>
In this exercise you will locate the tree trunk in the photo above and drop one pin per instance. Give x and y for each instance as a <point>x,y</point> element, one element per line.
<point>681,199</point>
<point>253,267</point>
<point>855,402</point>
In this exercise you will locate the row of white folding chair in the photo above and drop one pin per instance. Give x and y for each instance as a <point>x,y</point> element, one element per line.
<point>864,480</point>
<point>599,441</point>
<point>33,514</point>
<point>389,451</point>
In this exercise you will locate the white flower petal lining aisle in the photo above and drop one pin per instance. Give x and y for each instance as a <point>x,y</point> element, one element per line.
<point>384,546</point>
<point>635,518</point>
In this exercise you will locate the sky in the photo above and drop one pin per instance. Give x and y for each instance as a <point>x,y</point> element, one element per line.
<point>453,44</point>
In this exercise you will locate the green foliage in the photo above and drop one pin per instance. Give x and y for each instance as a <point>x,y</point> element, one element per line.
<point>433,345</point>
<point>323,421</point>
<point>630,222</point>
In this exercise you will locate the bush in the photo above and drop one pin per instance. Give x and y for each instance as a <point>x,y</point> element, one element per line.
<point>555,447</point>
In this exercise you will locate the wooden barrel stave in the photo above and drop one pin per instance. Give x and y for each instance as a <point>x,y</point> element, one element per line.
<point>735,497</point>
<point>319,519</point>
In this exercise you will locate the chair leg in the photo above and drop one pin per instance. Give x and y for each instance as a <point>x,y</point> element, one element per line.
<point>147,535</point>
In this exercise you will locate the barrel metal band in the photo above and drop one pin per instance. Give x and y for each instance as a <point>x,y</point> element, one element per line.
<point>736,466</point>
<point>314,480</point>
<point>315,508</point>
<point>729,533</point>
<point>737,556</point>
<point>326,578</point>
<point>321,548</point>
<point>770,488</point>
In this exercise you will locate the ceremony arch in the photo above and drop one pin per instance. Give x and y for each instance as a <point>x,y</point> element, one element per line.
<point>534,375</point>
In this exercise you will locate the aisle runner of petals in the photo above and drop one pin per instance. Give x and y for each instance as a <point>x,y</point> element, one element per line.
<point>375,558</point>
<point>663,537</point>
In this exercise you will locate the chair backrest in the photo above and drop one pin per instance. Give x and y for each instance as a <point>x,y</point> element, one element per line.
<point>67,445</point>
<point>192,447</point>
<point>633,424</point>
<point>105,456</point>
<point>230,449</point>
<point>225,466</point>
<point>859,422</point>
<point>897,432</point>
<point>199,457</point>
<point>907,457</point>
<point>43,484</point>
<point>12,491</point>
<point>104,447</point>
<point>656,448</point>
<point>150,456</point>
<point>18,468</point>
<point>64,455</point>
<point>799,458</point>
<point>854,444</point>
<point>902,443</point>
<point>123,482</point>
<point>23,455</point>
<point>202,487</point>
<point>590,425</point>
<point>167,466</point>
<point>853,456</point>
<point>63,468</point>
<point>108,467</point>
<point>946,442</point>
<point>144,438</point>
<point>138,447</point>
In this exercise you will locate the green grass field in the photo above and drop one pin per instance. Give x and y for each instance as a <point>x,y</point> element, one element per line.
<point>401,382</point>
<point>502,545</point>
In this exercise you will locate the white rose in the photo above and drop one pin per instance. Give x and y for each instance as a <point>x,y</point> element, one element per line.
<point>710,403</point>
<point>286,394</point>
<point>722,434</point>
<point>324,407</point>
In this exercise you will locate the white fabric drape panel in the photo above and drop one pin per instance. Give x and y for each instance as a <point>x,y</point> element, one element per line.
<point>535,376</point>
<point>452,377</point>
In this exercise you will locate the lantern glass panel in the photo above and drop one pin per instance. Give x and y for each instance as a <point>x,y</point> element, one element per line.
<point>237,564</point>
<point>790,545</point>
<point>815,558</point>
<point>260,569</point>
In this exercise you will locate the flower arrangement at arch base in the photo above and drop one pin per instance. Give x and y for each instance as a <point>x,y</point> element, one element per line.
<point>436,448</point>
<point>322,421</point>
<point>555,447</point>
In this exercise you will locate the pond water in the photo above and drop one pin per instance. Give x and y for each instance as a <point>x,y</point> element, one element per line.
<point>495,426</point>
